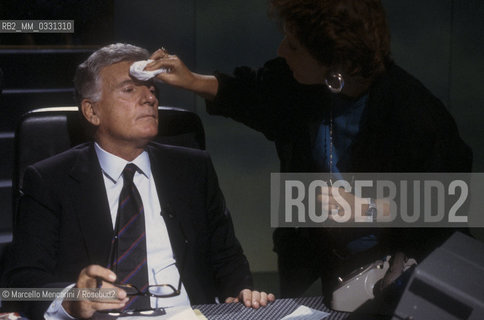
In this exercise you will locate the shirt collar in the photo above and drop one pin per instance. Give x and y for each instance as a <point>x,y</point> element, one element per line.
<point>113,166</point>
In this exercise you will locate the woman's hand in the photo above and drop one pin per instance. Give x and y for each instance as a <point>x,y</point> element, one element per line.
<point>343,206</point>
<point>340,204</point>
<point>180,76</point>
<point>399,263</point>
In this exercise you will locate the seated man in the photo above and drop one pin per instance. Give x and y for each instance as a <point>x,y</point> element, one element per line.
<point>124,209</point>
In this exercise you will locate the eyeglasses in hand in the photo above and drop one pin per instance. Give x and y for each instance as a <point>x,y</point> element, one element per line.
<point>156,291</point>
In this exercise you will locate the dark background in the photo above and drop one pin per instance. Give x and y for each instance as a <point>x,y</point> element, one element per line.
<point>441,42</point>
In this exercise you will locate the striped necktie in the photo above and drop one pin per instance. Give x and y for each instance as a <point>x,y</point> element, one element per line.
<point>130,264</point>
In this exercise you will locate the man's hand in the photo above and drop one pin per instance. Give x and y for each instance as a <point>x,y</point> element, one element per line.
<point>253,299</point>
<point>84,309</point>
<point>179,75</point>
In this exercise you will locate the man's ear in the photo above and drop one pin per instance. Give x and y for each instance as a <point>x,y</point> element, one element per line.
<point>89,112</point>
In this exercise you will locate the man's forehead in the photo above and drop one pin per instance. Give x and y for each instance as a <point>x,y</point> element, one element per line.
<point>117,70</point>
<point>118,74</point>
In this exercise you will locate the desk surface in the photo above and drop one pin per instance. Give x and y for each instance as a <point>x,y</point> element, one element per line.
<point>236,311</point>
<point>276,310</point>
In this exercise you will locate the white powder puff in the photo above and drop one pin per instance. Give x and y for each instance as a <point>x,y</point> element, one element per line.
<point>137,70</point>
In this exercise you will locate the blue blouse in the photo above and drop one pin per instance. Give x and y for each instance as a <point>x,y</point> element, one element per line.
<point>348,115</point>
<point>347,118</point>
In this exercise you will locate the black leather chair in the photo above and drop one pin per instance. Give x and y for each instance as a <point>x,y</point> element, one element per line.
<point>45,132</point>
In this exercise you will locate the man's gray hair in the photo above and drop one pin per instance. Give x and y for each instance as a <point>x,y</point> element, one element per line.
<point>87,80</point>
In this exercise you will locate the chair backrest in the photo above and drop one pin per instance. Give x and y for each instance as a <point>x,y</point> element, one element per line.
<point>42,133</point>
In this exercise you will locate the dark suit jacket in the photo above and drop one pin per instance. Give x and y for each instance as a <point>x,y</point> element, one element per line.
<point>64,223</point>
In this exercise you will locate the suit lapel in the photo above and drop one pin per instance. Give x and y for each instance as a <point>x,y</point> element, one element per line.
<point>173,219</point>
<point>90,201</point>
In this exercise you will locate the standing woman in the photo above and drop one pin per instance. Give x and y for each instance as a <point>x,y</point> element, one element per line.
<point>334,101</point>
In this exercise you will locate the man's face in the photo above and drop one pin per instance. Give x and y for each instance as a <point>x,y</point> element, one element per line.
<point>127,110</point>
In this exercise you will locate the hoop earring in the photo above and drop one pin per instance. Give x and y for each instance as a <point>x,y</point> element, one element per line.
<point>339,78</point>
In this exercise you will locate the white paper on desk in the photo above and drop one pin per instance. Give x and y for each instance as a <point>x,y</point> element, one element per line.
<point>306,313</point>
<point>181,314</point>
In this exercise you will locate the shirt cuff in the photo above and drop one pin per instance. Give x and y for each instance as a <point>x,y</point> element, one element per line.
<point>56,311</point>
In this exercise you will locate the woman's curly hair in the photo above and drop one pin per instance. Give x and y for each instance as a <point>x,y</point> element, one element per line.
<point>349,35</point>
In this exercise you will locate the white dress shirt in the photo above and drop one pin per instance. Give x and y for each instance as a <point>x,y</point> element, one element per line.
<point>161,262</point>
